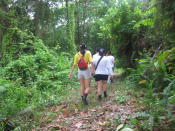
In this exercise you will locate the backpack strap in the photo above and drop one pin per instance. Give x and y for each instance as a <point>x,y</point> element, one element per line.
<point>98,62</point>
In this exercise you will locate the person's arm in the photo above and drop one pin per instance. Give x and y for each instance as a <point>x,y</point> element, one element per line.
<point>72,69</point>
<point>91,62</point>
<point>92,68</point>
<point>109,68</point>
<point>73,66</point>
<point>113,60</point>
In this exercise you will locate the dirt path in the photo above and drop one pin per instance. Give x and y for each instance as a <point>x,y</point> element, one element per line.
<point>97,116</point>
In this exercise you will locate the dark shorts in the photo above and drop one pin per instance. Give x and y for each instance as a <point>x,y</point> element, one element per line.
<point>99,77</point>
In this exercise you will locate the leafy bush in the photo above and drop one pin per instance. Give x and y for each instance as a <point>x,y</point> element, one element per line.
<point>122,98</point>
<point>36,77</point>
<point>158,71</point>
<point>16,100</point>
<point>41,65</point>
<point>13,98</point>
<point>157,75</point>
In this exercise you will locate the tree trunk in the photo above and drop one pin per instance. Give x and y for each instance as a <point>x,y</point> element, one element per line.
<point>77,15</point>
<point>84,20</point>
<point>70,9</point>
<point>5,23</point>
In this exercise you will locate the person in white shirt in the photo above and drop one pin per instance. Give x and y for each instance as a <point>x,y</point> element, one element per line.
<point>112,62</point>
<point>97,53</point>
<point>102,70</point>
<point>94,56</point>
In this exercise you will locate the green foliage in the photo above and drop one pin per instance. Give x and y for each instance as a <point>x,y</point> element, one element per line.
<point>118,26</point>
<point>140,33</point>
<point>37,77</point>
<point>122,98</point>
<point>71,28</point>
<point>17,43</point>
<point>154,112</point>
<point>157,75</point>
<point>14,98</point>
<point>157,71</point>
<point>142,120</point>
<point>34,62</point>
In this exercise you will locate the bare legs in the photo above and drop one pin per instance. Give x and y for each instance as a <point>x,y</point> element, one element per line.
<point>102,84</point>
<point>87,86</point>
<point>99,87</point>
<point>84,89</point>
<point>82,86</point>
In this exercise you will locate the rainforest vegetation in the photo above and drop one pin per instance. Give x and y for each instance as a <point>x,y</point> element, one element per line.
<point>39,37</point>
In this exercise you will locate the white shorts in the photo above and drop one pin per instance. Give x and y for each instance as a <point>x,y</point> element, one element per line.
<point>86,74</point>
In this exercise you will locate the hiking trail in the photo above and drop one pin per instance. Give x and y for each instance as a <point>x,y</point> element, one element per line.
<point>103,115</point>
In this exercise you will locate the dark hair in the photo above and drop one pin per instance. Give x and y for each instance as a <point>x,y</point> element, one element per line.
<point>82,48</point>
<point>101,51</point>
<point>109,52</point>
<point>97,49</point>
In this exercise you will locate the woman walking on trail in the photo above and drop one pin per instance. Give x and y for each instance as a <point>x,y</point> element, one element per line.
<point>102,70</point>
<point>83,58</point>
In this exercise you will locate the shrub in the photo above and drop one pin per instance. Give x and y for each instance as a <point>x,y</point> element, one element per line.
<point>157,75</point>
<point>36,77</point>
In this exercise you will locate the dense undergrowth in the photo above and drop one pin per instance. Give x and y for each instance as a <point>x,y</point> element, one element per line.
<point>154,78</point>
<point>140,33</point>
<point>32,76</point>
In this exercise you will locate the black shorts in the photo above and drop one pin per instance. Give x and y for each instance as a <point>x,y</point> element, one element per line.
<point>99,77</point>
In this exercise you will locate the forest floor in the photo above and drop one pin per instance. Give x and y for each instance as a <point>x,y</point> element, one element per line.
<point>105,115</point>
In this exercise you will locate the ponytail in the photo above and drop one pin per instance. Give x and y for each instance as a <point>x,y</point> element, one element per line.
<point>83,51</point>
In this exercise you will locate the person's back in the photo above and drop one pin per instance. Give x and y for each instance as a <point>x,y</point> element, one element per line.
<point>111,60</point>
<point>96,54</point>
<point>102,70</point>
<point>103,66</point>
<point>86,55</point>
<point>82,59</point>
